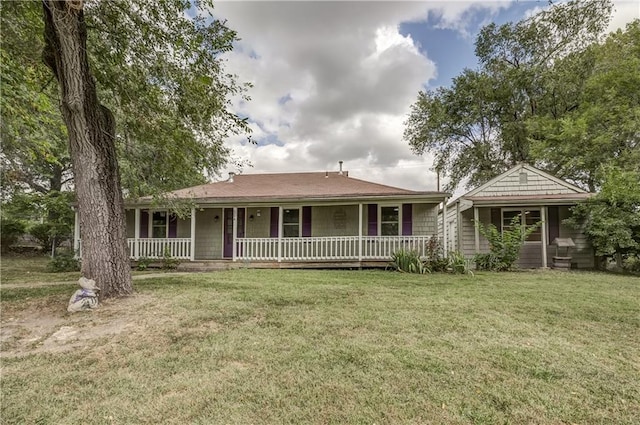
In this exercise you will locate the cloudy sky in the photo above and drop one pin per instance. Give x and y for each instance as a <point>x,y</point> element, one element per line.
<point>335,80</point>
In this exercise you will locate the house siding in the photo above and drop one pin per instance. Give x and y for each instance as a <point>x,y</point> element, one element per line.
<point>425,219</point>
<point>259,227</point>
<point>184,228</point>
<point>335,221</point>
<point>537,184</point>
<point>130,216</point>
<point>208,237</point>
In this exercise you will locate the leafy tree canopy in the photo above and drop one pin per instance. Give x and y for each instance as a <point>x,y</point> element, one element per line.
<point>158,69</point>
<point>479,127</point>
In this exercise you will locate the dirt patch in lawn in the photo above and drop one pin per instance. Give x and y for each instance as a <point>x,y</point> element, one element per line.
<point>48,328</point>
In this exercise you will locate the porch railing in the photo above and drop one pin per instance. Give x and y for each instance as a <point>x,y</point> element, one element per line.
<point>179,248</point>
<point>327,248</point>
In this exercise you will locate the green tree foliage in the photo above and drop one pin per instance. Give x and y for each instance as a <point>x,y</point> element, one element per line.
<point>504,246</point>
<point>34,140</point>
<point>611,219</point>
<point>478,128</point>
<point>601,122</point>
<point>158,69</point>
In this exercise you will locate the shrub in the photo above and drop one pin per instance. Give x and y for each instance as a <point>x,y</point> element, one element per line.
<point>504,246</point>
<point>408,262</point>
<point>10,231</point>
<point>64,262</point>
<point>457,264</point>
<point>143,263</point>
<point>434,254</point>
<point>168,262</point>
<point>48,234</point>
<point>631,263</point>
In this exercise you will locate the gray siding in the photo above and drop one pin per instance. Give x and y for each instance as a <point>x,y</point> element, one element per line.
<point>208,238</point>
<point>425,219</point>
<point>536,184</point>
<point>340,220</point>
<point>130,216</point>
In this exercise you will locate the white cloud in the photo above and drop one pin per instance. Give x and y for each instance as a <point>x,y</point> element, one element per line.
<point>624,11</point>
<point>334,81</point>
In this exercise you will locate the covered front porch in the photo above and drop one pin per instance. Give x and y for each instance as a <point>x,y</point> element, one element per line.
<point>281,234</point>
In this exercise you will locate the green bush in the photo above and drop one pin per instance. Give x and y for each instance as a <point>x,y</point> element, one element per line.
<point>457,264</point>
<point>49,233</point>
<point>143,263</point>
<point>631,264</point>
<point>168,262</point>
<point>504,246</point>
<point>64,262</point>
<point>408,262</point>
<point>10,231</point>
<point>434,254</point>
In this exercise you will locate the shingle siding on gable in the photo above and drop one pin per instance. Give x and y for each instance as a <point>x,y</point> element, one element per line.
<point>536,185</point>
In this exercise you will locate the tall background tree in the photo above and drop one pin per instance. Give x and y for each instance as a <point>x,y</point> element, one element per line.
<point>479,127</point>
<point>157,68</point>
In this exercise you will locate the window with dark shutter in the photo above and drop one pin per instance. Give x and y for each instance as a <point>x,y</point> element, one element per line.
<point>372,219</point>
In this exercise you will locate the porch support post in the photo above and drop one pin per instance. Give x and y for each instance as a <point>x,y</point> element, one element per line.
<point>476,220</point>
<point>136,235</point>
<point>445,242</point>
<point>360,231</point>
<point>458,227</point>
<point>235,233</point>
<point>192,249</point>
<point>76,235</point>
<point>280,219</point>
<point>543,218</point>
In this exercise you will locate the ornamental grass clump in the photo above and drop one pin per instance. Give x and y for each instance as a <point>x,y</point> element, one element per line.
<point>408,261</point>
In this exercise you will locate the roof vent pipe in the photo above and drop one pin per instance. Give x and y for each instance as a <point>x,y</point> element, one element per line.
<point>326,174</point>
<point>340,163</point>
<point>231,176</point>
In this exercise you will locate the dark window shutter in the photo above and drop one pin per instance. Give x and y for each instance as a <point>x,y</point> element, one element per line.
<point>553,223</point>
<point>173,226</point>
<point>306,221</point>
<point>496,218</point>
<point>373,220</point>
<point>407,219</point>
<point>144,224</point>
<point>275,212</point>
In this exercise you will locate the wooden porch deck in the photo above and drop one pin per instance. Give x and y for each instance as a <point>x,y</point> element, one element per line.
<point>212,265</point>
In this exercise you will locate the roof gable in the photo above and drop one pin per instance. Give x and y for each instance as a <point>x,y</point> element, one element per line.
<point>523,180</point>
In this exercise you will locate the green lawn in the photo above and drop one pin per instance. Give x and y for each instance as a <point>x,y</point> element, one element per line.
<point>271,346</point>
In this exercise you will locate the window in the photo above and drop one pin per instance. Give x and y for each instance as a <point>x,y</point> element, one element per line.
<point>389,221</point>
<point>291,223</point>
<point>531,217</point>
<point>159,224</point>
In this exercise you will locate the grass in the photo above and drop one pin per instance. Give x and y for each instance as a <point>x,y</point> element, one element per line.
<point>271,346</point>
<point>31,268</point>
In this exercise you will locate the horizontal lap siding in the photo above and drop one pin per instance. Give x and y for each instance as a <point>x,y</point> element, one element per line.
<point>468,231</point>
<point>530,256</point>
<point>184,228</point>
<point>259,227</point>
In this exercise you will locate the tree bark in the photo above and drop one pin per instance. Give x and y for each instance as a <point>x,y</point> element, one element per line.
<point>91,129</point>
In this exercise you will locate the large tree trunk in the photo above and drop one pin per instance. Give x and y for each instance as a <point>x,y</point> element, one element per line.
<point>91,129</point>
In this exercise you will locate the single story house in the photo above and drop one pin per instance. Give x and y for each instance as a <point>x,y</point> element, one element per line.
<point>286,217</point>
<point>535,195</point>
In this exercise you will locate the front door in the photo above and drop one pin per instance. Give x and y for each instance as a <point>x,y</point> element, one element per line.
<point>228,230</point>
